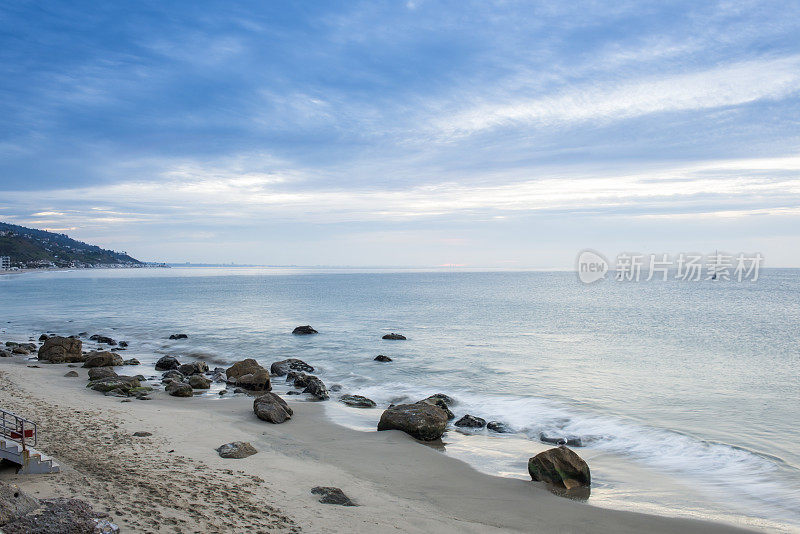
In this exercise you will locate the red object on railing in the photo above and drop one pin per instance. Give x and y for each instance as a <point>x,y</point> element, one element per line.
<point>28,434</point>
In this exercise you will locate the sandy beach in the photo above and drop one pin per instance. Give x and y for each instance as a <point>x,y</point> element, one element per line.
<point>174,481</point>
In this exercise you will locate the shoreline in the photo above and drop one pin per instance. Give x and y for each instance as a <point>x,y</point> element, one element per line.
<point>398,482</point>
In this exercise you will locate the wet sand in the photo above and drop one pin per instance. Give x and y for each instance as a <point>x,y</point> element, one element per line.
<point>174,481</point>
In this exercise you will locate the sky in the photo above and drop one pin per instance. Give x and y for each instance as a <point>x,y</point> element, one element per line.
<point>404,133</point>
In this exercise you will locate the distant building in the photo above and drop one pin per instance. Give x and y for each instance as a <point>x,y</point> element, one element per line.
<point>5,263</point>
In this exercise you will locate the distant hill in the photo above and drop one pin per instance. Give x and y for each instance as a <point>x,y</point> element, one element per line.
<point>29,247</point>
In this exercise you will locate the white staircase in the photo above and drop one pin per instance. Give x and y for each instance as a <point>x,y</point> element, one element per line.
<point>16,437</point>
<point>29,460</point>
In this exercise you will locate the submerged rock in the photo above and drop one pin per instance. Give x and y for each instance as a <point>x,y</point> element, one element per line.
<point>103,339</point>
<point>132,361</point>
<point>178,336</point>
<point>499,427</point>
<point>357,401</point>
<point>382,358</point>
<point>4,353</point>
<point>271,408</point>
<point>236,449</point>
<point>426,422</point>
<point>283,367</point>
<point>19,349</point>
<point>398,337</point>
<point>331,495</point>
<point>560,467</point>
<point>572,441</point>
<point>59,349</point>
<point>167,363</point>
<point>470,421</point>
<point>71,374</point>
<point>304,330</point>
<point>102,359</point>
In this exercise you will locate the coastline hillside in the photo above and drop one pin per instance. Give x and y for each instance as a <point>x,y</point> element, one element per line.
<point>29,248</point>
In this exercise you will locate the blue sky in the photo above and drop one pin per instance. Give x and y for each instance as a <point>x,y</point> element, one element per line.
<point>502,134</point>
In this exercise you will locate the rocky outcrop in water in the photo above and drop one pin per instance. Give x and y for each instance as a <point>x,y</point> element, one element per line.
<point>59,349</point>
<point>560,467</point>
<point>167,363</point>
<point>425,422</point>
<point>304,330</point>
<point>397,337</point>
<point>102,359</point>
<point>237,450</point>
<point>271,408</point>
<point>382,358</point>
<point>283,367</point>
<point>357,401</point>
<point>179,336</point>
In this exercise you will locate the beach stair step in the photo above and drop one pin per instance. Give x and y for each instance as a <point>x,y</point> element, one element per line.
<point>30,461</point>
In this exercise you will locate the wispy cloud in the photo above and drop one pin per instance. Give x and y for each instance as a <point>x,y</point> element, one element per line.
<point>728,85</point>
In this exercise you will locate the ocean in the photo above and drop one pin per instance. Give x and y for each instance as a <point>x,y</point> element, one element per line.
<point>685,394</point>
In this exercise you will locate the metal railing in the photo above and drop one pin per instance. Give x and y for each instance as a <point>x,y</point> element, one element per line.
<point>17,428</point>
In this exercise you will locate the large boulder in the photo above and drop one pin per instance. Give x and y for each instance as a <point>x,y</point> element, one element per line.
<point>236,449</point>
<point>561,468</point>
<point>102,359</point>
<point>167,363</point>
<point>283,367</point>
<point>194,368</point>
<point>423,421</point>
<point>59,349</point>
<point>272,408</point>
<point>249,374</point>
<point>304,330</point>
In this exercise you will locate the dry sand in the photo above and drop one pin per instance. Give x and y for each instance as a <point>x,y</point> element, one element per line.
<point>174,481</point>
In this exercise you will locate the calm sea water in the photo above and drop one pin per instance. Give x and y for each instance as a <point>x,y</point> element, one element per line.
<point>686,393</point>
